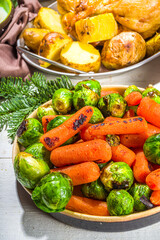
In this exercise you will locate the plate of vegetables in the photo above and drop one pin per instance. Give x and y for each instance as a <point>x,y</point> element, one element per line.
<point>112,50</point>
<point>91,154</point>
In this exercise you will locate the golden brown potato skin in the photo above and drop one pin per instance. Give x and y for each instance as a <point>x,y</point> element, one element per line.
<point>123,50</point>
<point>51,46</point>
<point>33,36</point>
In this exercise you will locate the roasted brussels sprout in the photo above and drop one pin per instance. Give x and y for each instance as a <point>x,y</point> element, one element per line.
<point>151,148</point>
<point>94,85</point>
<point>120,202</point>
<point>152,93</point>
<point>97,116</point>
<point>45,110</point>
<point>117,175</point>
<point>113,140</point>
<point>94,190</point>
<point>62,100</point>
<point>29,170</point>
<point>53,192</point>
<point>137,191</point>
<point>29,132</point>
<point>131,89</point>
<point>58,121</point>
<point>112,104</point>
<point>84,97</point>
<point>39,151</point>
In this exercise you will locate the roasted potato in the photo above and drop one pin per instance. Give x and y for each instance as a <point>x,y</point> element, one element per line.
<point>81,56</point>
<point>97,28</point>
<point>153,45</point>
<point>49,19</point>
<point>33,36</point>
<point>123,50</point>
<point>51,46</point>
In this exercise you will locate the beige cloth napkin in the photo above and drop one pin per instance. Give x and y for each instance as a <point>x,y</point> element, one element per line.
<point>11,63</point>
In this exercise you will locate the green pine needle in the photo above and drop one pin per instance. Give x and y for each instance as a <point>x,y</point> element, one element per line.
<point>19,99</point>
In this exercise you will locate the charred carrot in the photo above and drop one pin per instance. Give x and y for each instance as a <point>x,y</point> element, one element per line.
<point>109,119</point>
<point>122,126</point>
<point>137,140</point>
<point>133,98</point>
<point>95,150</point>
<point>45,120</point>
<point>130,113</point>
<point>86,136</point>
<point>141,167</point>
<point>155,198</point>
<point>81,173</point>
<point>121,153</point>
<point>57,136</point>
<point>87,206</point>
<point>153,180</point>
<point>150,110</point>
<point>106,92</point>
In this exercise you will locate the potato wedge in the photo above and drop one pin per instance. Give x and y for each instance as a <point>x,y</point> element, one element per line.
<point>81,56</point>
<point>123,50</point>
<point>33,36</point>
<point>97,28</point>
<point>51,46</point>
<point>49,19</point>
<point>153,45</point>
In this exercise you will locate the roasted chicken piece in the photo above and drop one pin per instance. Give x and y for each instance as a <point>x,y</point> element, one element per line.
<point>142,16</point>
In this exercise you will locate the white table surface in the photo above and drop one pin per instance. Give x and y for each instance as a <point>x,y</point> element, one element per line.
<point>19,217</point>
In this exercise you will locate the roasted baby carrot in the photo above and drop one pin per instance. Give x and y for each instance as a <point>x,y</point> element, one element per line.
<point>86,136</point>
<point>130,113</point>
<point>150,110</point>
<point>134,98</point>
<point>109,119</point>
<point>137,140</point>
<point>122,126</point>
<point>87,206</point>
<point>106,92</point>
<point>121,153</point>
<point>153,180</point>
<point>81,173</point>
<point>45,120</point>
<point>57,136</point>
<point>94,150</point>
<point>141,167</point>
<point>155,198</point>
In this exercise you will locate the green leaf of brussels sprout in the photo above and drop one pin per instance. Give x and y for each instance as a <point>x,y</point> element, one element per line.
<point>39,151</point>
<point>29,132</point>
<point>137,191</point>
<point>117,175</point>
<point>94,85</point>
<point>62,100</point>
<point>29,170</point>
<point>53,192</point>
<point>84,97</point>
<point>45,110</point>
<point>131,89</point>
<point>152,93</point>
<point>151,148</point>
<point>94,190</point>
<point>113,140</point>
<point>97,116</point>
<point>112,105</point>
<point>120,202</point>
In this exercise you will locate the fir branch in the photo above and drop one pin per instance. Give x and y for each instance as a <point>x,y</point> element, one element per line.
<point>21,98</point>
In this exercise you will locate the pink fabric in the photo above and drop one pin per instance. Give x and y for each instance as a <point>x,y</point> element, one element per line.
<point>11,63</point>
